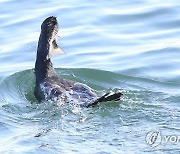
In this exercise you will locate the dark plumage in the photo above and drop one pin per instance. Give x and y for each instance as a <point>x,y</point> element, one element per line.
<point>49,85</point>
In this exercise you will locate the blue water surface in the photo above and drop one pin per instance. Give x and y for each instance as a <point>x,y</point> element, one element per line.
<point>129,45</point>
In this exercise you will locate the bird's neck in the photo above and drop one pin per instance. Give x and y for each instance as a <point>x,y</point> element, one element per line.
<point>43,66</point>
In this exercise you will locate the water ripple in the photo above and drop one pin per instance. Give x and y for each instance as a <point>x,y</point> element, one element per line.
<point>137,42</point>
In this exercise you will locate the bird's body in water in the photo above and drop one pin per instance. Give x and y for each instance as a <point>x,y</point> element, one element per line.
<point>49,85</point>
